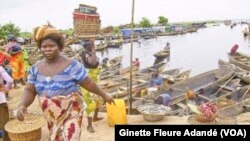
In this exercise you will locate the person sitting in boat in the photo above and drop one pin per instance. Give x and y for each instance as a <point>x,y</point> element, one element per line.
<point>105,63</point>
<point>136,62</point>
<point>163,99</point>
<point>155,82</point>
<point>167,46</point>
<point>234,49</point>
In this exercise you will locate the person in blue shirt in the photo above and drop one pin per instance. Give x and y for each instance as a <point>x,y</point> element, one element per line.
<point>163,99</point>
<point>155,80</point>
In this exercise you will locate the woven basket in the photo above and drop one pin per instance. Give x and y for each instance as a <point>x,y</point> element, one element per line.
<point>27,130</point>
<point>202,118</point>
<point>223,102</point>
<point>219,120</point>
<point>153,112</point>
<point>34,135</point>
<point>247,105</point>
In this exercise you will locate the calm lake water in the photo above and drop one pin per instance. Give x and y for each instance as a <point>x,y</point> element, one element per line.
<point>198,51</point>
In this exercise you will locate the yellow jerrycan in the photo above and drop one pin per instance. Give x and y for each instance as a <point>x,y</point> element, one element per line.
<point>116,113</point>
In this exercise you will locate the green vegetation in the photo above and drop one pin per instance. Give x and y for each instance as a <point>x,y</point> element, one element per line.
<point>26,35</point>
<point>116,30</point>
<point>162,20</point>
<point>8,28</point>
<point>145,22</point>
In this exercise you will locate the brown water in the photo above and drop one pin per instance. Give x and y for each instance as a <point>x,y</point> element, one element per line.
<point>198,51</point>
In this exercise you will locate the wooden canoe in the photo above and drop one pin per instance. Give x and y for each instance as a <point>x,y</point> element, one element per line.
<point>162,54</point>
<point>236,101</point>
<point>124,76</point>
<point>126,70</point>
<point>160,66</point>
<point>138,84</point>
<point>244,75</point>
<point>180,77</point>
<point>109,73</point>
<point>240,60</point>
<point>195,83</point>
<point>207,94</point>
<point>101,47</point>
<point>114,63</point>
<point>115,43</point>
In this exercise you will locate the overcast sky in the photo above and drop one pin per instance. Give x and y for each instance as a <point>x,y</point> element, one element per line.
<point>28,14</point>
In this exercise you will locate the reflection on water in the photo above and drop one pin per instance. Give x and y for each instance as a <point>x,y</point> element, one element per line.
<point>198,51</point>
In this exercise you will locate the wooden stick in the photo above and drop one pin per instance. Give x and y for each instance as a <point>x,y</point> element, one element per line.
<point>245,94</point>
<point>225,84</point>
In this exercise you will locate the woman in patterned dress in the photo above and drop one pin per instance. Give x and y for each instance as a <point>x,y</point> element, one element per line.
<point>55,80</point>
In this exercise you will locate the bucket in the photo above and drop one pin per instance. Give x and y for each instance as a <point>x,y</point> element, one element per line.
<point>116,113</point>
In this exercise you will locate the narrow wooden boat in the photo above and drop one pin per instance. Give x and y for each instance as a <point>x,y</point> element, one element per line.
<point>109,73</point>
<point>160,66</point>
<point>240,59</point>
<point>101,47</point>
<point>208,94</point>
<point>114,63</point>
<point>195,83</point>
<point>244,75</point>
<point>182,76</point>
<point>138,84</point>
<point>115,43</point>
<point>126,70</point>
<point>162,54</point>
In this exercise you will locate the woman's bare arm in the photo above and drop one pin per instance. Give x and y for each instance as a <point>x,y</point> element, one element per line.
<point>28,96</point>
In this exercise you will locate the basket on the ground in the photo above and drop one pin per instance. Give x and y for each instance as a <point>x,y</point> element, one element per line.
<point>27,130</point>
<point>247,105</point>
<point>223,102</point>
<point>219,120</point>
<point>153,112</point>
<point>202,118</point>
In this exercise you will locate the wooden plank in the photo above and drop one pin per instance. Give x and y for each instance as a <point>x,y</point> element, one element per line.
<point>142,81</point>
<point>226,88</point>
<point>181,105</point>
<point>203,97</point>
<point>123,88</point>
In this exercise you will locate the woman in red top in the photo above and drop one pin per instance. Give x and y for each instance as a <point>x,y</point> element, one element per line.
<point>136,62</point>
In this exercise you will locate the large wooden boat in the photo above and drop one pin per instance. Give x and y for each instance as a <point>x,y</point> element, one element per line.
<point>195,83</point>
<point>139,84</point>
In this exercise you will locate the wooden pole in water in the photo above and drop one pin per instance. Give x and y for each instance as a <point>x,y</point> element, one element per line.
<point>131,58</point>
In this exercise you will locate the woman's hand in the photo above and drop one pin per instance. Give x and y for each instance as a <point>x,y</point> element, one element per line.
<point>21,111</point>
<point>109,99</point>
